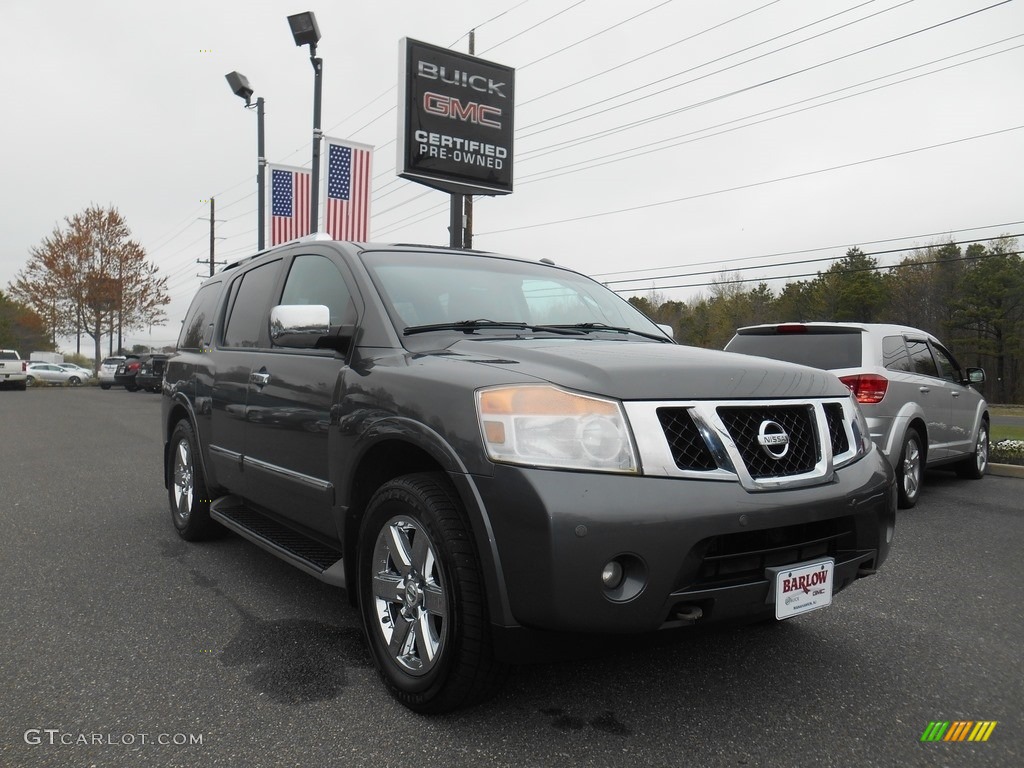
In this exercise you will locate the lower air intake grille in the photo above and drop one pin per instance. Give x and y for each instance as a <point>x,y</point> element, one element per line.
<point>741,558</point>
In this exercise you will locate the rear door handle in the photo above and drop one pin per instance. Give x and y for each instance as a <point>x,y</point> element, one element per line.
<point>259,379</point>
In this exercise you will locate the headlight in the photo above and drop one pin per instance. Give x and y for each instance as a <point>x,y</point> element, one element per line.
<point>543,426</point>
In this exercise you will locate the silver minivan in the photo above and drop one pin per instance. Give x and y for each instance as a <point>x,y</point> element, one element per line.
<point>921,406</point>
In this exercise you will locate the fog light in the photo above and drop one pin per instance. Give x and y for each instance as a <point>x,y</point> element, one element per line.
<point>612,574</point>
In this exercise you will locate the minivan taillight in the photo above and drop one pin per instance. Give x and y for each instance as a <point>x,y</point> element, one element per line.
<point>866,387</point>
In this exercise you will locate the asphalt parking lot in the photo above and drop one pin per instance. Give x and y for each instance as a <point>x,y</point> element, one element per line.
<point>125,646</point>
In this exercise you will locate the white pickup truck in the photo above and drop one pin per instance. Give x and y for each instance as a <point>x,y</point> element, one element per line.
<point>12,370</point>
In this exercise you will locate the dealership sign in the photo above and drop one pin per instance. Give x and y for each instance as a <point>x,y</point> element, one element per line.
<point>454,120</point>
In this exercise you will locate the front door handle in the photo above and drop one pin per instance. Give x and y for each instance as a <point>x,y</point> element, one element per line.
<point>925,390</point>
<point>259,379</point>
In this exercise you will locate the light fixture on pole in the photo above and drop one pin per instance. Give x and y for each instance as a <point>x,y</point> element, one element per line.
<point>240,87</point>
<point>306,32</point>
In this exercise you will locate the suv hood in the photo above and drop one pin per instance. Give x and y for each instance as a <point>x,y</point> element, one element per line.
<point>649,371</point>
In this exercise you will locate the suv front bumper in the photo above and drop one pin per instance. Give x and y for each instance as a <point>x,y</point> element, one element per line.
<point>689,543</point>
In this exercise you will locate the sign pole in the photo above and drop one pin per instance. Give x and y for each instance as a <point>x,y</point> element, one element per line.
<point>455,223</point>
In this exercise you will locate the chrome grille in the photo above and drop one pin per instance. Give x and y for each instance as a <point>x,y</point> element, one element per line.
<point>689,451</point>
<point>743,424</point>
<point>836,428</point>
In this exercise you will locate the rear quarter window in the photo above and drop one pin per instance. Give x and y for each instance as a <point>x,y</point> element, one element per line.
<point>197,329</point>
<point>894,354</point>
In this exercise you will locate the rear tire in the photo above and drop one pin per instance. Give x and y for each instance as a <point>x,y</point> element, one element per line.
<point>30,381</point>
<point>104,386</point>
<point>187,493</point>
<point>910,470</point>
<point>421,596</point>
<point>975,465</point>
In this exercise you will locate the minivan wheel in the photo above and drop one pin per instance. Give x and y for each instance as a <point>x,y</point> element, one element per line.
<point>421,597</point>
<point>910,470</point>
<point>187,493</point>
<point>975,465</point>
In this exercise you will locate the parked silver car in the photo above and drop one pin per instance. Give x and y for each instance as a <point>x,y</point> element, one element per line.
<point>51,373</point>
<point>107,370</point>
<point>921,407</point>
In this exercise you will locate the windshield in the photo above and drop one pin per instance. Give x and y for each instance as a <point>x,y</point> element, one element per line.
<point>441,289</point>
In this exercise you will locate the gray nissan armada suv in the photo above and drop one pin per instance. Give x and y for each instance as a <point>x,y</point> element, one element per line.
<point>489,453</point>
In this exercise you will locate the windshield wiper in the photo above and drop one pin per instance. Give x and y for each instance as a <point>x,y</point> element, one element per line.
<point>469,326</point>
<point>588,327</point>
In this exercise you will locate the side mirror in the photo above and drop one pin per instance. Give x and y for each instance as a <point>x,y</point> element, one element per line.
<point>299,326</point>
<point>976,375</point>
<point>668,329</point>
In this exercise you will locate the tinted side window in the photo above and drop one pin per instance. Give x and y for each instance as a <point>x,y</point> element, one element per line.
<point>248,319</point>
<point>948,369</point>
<point>894,354</point>
<point>316,280</point>
<point>921,357</point>
<point>197,330</point>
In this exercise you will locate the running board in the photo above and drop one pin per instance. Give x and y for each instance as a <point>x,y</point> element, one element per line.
<point>306,554</point>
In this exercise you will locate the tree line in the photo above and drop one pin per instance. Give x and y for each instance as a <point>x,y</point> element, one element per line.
<point>87,278</point>
<point>970,298</point>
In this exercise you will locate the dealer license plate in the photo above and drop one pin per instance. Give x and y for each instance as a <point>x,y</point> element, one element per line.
<point>803,588</point>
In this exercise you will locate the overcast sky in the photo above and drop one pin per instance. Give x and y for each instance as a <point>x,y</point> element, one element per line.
<point>745,162</point>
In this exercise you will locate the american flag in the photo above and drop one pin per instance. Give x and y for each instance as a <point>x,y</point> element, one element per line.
<point>348,190</point>
<point>289,203</point>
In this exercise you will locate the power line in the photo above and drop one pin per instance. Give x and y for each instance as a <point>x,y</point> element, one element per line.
<point>680,140</point>
<point>798,253</point>
<point>753,184</point>
<point>877,268</point>
<point>717,71</point>
<point>796,262</point>
<point>521,67</point>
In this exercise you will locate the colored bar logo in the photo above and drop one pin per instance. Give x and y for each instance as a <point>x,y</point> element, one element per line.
<point>959,730</point>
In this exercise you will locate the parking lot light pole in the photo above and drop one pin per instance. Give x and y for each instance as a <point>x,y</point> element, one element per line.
<point>241,88</point>
<point>306,32</point>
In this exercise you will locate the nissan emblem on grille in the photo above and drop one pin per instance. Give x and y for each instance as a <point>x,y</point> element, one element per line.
<point>773,439</point>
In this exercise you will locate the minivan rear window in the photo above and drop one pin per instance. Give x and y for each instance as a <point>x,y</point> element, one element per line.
<point>829,351</point>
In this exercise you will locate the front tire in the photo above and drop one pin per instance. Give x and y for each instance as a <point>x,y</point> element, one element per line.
<point>186,490</point>
<point>421,596</point>
<point>910,470</point>
<point>74,381</point>
<point>104,386</point>
<point>975,465</point>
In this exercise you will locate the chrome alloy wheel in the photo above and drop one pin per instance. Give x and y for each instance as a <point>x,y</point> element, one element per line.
<point>981,449</point>
<point>409,595</point>
<point>184,483</point>
<point>911,469</point>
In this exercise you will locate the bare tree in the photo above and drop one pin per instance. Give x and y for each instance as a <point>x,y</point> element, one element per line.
<point>89,275</point>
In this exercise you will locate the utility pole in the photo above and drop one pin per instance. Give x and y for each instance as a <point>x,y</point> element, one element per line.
<point>212,239</point>
<point>467,235</point>
<point>211,235</point>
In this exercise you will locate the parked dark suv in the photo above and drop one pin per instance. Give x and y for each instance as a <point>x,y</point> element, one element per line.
<point>493,453</point>
<point>151,372</point>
